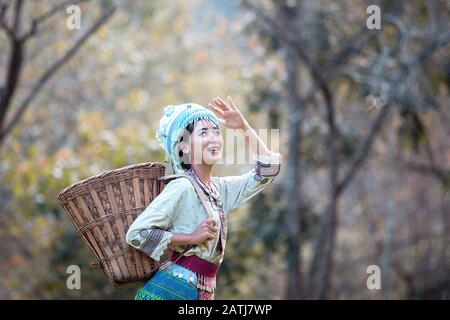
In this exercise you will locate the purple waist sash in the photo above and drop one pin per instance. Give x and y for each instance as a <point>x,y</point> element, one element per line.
<point>196,264</point>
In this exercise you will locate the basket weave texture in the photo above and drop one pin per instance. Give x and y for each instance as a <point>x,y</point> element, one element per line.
<point>103,207</point>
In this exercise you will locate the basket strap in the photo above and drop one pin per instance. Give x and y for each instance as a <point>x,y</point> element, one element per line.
<point>200,193</point>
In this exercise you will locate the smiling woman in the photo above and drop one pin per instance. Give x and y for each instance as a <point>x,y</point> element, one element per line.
<point>209,133</point>
<point>178,218</point>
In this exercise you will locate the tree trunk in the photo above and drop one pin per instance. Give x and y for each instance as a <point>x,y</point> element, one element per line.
<point>293,181</point>
<point>331,225</point>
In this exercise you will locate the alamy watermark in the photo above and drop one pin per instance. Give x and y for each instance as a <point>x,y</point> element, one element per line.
<point>374,20</point>
<point>73,281</point>
<point>374,280</point>
<point>73,21</point>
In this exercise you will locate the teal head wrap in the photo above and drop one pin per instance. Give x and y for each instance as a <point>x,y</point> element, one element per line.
<point>173,124</point>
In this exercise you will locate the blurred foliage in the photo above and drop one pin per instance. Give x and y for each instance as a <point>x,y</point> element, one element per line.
<point>101,111</point>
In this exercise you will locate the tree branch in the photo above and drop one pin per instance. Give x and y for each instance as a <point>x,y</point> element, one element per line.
<point>9,32</point>
<point>36,22</point>
<point>52,70</point>
<point>17,14</point>
<point>365,147</point>
<point>432,170</point>
<point>440,40</point>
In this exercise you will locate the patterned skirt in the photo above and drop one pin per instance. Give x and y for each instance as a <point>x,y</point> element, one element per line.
<point>165,286</point>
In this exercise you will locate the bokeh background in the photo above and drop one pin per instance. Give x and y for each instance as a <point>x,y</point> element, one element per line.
<point>363,117</point>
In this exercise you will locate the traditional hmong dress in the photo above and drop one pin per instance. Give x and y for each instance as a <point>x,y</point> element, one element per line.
<point>178,209</point>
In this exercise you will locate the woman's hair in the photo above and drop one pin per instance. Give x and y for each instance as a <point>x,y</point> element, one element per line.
<point>189,128</point>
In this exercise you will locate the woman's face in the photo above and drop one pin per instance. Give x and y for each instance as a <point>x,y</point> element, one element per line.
<point>205,143</point>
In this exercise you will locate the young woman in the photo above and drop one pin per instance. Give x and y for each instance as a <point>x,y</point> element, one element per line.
<point>177,219</point>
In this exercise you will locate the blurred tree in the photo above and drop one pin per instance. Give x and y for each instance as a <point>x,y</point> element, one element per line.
<point>102,111</point>
<point>328,52</point>
<point>18,39</point>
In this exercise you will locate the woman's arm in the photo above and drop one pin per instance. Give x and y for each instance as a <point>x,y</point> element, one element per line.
<point>256,144</point>
<point>205,231</point>
<point>238,189</point>
<point>181,239</point>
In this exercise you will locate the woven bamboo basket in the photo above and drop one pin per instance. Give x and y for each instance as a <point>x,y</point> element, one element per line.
<point>103,207</point>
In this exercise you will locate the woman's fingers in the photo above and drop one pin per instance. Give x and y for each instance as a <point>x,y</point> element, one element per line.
<point>221,104</point>
<point>210,227</point>
<point>216,110</point>
<point>231,103</point>
<point>209,234</point>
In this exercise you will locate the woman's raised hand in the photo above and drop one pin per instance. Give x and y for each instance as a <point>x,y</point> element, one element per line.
<point>228,113</point>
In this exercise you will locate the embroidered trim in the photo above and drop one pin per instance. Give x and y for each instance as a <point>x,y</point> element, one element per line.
<point>153,239</point>
<point>205,271</point>
<point>206,283</point>
<point>267,169</point>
